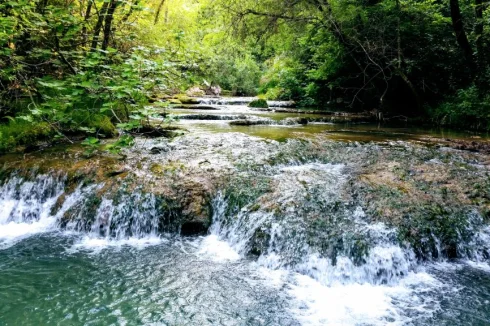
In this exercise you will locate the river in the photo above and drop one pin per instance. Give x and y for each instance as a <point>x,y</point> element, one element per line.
<point>297,239</point>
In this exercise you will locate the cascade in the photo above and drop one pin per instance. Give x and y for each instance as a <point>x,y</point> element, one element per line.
<point>287,236</point>
<point>242,101</point>
<point>41,205</point>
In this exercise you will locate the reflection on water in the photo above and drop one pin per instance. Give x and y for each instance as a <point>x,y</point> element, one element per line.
<point>212,121</point>
<point>344,132</point>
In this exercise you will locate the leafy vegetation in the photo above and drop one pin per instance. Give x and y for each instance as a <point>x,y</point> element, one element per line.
<point>84,68</point>
<point>259,103</point>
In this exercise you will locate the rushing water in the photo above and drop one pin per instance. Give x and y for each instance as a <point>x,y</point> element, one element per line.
<point>121,272</point>
<point>78,259</point>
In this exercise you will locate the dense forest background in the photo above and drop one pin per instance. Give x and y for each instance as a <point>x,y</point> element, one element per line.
<point>84,67</point>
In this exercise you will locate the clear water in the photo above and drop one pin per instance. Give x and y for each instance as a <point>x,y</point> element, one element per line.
<point>133,276</point>
<point>218,121</point>
<point>122,271</point>
<point>57,278</point>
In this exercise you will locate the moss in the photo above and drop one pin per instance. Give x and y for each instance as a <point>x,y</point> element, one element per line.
<point>242,191</point>
<point>20,133</point>
<point>175,101</point>
<point>156,169</point>
<point>433,230</point>
<point>259,103</point>
<point>184,99</point>
<point>101,124</point>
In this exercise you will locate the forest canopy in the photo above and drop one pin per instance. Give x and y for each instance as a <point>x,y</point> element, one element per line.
<point>91,67</point>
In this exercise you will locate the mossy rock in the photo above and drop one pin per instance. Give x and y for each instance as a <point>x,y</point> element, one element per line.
<point>104,126</point>
<point>19,133</point>
<point>175,101</point>
<point>259,103</point>
<point>156,131</point>
<point>184,99</point>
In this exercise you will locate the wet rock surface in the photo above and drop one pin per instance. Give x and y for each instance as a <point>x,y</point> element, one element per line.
<point>437,199</point>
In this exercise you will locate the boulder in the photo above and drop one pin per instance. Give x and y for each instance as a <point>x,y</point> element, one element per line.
<point>184,99</point>
<point>213,90</point>
<point>195,91</point>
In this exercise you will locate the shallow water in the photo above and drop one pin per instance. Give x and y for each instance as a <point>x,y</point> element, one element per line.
<point>123,271</point>
<point>364,132</point>
<point>61,278</point>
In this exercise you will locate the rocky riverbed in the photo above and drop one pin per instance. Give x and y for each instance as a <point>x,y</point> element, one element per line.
<point>338,206</point>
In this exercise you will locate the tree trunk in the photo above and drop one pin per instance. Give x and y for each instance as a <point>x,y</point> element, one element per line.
<point>481,55</point>
<point>479,27</point>
<point>159,9</point>
<point>98,26</point>
<point>108,23</point>
<point>86,18</point>
<point>412,88</point>
<point>461,37</point>
<point>398,34</point>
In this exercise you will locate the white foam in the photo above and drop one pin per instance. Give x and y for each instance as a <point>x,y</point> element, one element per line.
<point>97,244</point>
<point>482,266</point>
<point>24,208</point>
<point>360,304</point>
<point>7,208</point>
<point>217,250</point>
<point>11,233</point>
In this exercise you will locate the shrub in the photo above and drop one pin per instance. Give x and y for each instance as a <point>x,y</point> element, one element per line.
<point>259,103</point>
<point>468,109</point>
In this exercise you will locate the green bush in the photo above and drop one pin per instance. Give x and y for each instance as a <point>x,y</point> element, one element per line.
<point>467,109</point>
<point>259,103</point>
<point>97,124</point>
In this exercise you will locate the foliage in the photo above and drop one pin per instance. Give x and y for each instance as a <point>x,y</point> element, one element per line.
<point>58,67</point>
<point>366,55</point>
<point>282,80</point>
<point>259,103</point>
<point>83,67</point>
<point>468,108</point>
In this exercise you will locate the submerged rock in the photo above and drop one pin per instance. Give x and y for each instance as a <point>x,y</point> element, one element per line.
<point>157,131</point>
<point>249,122</point>
<point>161,148</point>
<point>212,117</point>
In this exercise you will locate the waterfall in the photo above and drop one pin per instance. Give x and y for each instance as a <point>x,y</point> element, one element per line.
<point>242,101</point>
<point>42,205</point>
<point>378,260</point>
<point>367,283</point>
<point>385,263</point>
<point>26,206</point>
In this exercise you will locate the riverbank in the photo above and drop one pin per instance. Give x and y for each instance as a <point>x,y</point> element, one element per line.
<point>223,114</point>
